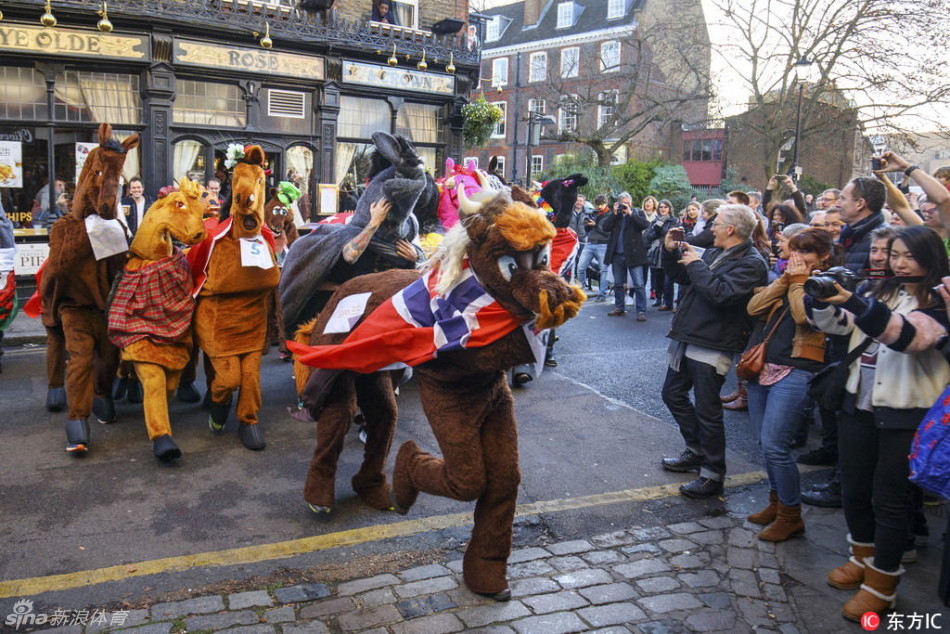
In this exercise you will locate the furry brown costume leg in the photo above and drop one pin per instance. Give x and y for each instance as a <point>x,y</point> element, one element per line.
<point>238,372</point>
<point>478,436</point>
<point>89,352</point>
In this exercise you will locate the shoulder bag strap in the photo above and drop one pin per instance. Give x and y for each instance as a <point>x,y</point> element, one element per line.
<point>857,352</point>
<point>774,327</point>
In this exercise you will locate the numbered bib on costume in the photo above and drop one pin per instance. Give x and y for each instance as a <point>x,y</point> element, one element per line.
<point>255,252</point>
<point>347,313</point>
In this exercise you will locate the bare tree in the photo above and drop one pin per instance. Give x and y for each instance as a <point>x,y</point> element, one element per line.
<point>660,76</point>
<point>883,64</point>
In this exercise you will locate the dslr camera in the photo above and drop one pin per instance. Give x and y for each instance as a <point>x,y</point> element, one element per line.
<point>823,286</point>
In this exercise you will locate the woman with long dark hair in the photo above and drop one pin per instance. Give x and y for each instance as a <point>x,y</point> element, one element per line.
<point>662,286</point>
<point>778,398</point>
<point>899,323</point>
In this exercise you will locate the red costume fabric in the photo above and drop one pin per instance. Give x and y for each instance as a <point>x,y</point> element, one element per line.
<point>563,249</point>
<point>153,302</point>
<point>200,255</point>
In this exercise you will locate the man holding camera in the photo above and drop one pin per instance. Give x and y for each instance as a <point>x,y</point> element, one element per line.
<point>627,254</point>
<point>709,329</point>
<point>861,203</point>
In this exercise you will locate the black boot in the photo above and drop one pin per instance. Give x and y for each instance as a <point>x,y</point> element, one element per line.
<point>134,393</point>
<point>165,448</point>
<point>119,388</point>
<point>252,437</point>
<point>55,399</point>
<point>219,415</point>
<point>104,409</point>
<point>77,436</point>
<point>187,393</point>
<point>829,498</point>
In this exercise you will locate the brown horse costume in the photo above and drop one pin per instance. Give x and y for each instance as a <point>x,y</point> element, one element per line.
<point>464,391</point>
<point>231,317</point>
<point>150,316</point>
<point>75,286</point>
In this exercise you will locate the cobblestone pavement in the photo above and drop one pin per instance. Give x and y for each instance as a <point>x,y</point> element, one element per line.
<point>708,575</point>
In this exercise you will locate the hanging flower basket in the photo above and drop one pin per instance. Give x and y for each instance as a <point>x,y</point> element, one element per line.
<point>481,118</point>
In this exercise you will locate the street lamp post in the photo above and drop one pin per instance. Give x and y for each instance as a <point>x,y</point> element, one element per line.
<point>801,70</point>
<point>535,121</point>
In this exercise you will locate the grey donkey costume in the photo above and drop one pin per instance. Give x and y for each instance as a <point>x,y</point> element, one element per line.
<point>315,266</point>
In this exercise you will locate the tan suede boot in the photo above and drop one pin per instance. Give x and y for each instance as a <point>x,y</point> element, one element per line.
<point>850,576</point>
<point>878,593</point>
<point>788,524</point>
<point>768,514</point>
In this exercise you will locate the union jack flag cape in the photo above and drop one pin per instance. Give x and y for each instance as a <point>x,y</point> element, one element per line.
<point>414,326</point>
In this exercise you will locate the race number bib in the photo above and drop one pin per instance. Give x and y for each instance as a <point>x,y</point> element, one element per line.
<point>254,252</point>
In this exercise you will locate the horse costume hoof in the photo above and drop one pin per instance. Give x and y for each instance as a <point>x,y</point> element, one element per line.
<point>504,595</point>
<point>77,436</point>
<point>252,437</point>
<point>165,448</point>
<point>187,393</point>
<point>55,399</point>
<point>219,415</point>
<point>521,378</point>
<point>104,409</point>
<point>134,393</point>
<point>319,510</point>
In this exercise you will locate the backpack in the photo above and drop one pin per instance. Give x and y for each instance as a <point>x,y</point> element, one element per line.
<point>930,451</point>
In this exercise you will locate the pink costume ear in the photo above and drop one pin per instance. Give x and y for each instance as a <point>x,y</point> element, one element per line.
<point>449,167</point>
<point>471,165</point>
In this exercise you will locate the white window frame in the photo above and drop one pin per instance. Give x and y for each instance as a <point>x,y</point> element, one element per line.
<point>537,159</point>
<point>501,128</point>
<point>500,164</point>
<point>538,61</point>
<point>604,46</point>
<point>616,9</point>
<point>493,29</point>
<point>499,77</point>
<point>415,11</point>
<point>572,65</point>
<point>567,114</point>
<point>565,14</point>
<point>533,106</point>
<point>603,116</point>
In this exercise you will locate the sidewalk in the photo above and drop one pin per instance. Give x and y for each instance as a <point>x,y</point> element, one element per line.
<point>24,330</point>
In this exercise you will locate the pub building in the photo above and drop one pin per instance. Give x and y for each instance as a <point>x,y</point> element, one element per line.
<point>191,77</point>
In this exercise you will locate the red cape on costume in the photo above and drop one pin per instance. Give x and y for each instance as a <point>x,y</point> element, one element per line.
<point>199,256</point>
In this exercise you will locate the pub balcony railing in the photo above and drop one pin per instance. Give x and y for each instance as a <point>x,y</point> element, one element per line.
<point>243,17</point>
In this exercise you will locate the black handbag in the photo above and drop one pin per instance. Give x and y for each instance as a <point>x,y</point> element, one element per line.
<point>827,386</point>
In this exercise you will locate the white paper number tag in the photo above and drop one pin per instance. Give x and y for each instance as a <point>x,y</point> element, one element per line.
<point>347,313</point>
<point>255,252</point>
<point>107,237</point>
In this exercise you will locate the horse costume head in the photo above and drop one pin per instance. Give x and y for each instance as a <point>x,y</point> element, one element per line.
<point>175,216</point>
<point>561,194</point>
<point>507,244</point>
<point>97,189</point>
<point>279,214</point>
<point>248,187</point>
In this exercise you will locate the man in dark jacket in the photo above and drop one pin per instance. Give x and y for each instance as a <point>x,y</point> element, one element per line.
<point>710,327</point>
<point>135,204</point>
<point>627,254</point>
<point>596,248</point>
<point>861,203</point>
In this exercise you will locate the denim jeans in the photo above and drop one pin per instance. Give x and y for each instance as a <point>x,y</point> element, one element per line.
<point>620,277</point>
<point>874,468</point>
<point>776,412</point>
<point>701,425</point>
<point>593,252</point>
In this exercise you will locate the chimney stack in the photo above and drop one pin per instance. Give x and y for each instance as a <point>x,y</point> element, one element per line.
<point>532,12</point>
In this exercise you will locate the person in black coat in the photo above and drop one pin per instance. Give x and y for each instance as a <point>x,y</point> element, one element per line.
<point>627,254</point>
<point>135,204</point>
<point>709,328</point>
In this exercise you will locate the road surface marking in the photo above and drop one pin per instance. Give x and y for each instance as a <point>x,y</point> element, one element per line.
<point>302,546</point>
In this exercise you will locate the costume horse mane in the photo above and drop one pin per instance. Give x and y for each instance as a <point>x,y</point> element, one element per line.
<point>494,290</point>
<point>152,308</point>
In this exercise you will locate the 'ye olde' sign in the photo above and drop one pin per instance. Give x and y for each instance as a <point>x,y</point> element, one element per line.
<point>249,60</point>
<point>398,78</point>
<point>60,41</point>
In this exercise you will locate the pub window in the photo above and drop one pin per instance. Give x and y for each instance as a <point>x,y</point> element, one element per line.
<point>360,117</point>
<point>22,94</point>
<point>189,160</point>
<point>209,104</point>
<point>86,97</point>
<point>422,124</point>
<point>407,12</point>
<point>299,172</point>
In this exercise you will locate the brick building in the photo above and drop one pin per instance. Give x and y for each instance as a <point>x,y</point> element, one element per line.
<point>575,62</point>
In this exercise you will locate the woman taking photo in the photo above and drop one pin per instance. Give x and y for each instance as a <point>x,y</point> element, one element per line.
<point>898,376</point>
<point>662,286</point>
<point>778,398</point>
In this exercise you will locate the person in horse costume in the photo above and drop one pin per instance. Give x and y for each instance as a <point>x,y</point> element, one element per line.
<point>475,311</point>
<point>152,307</point>
<point>85,255</point>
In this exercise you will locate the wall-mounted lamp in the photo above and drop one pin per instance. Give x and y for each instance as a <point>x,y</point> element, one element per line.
<point>450,69</point>
<point>422,62</point>
<point>104,24</point>
<point>48,19</point>
<point>393,60</point>
<point>266,42</point>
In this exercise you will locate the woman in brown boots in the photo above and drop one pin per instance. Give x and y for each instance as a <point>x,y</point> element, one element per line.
<point>893,382</point>
<point>777,399</point>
